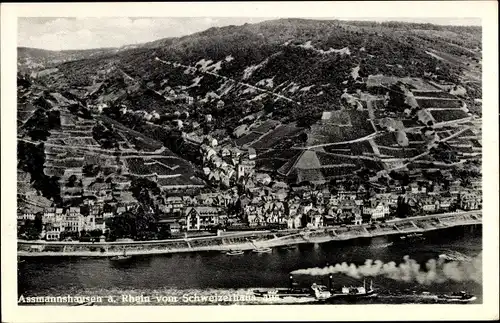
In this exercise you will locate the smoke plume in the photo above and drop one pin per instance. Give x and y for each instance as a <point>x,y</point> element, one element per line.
<point>435,271</point>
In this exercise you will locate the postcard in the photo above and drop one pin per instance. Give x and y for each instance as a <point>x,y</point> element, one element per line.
<point>249,161</point>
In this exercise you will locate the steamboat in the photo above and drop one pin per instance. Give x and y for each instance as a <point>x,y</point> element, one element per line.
<point>292,291</point>
<point>318,292</point>
<point>349,293</point>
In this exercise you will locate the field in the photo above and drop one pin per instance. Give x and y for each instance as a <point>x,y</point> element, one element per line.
<point>287,167</point>
<point>414,137</point>
<point>387,139</point>
<point>354,149</point>
<point>448,115</point>
<point>463,150</point>
<point>467,133</point>
<point>22,116</point>
<point>327,159</point>
<point>309,175</point>
<point>362,147</point>
<point>434,94</point>
<point>340,151</point>
<point>66,163</point>
<point>142,143</point>
<point>371,164</point>
<point>340,118</point>
<point>278,154</point>
<point>269,164</point>
<point>378,80</point>
<point>439,104</point>
<point>274,159</point>
<point>325,131</point>
<point>160,166</point>
<point>266,126</point>
<point>139,140</point>
<point>332,165</point>
<point>459,141</point>
<point>408,123</point>
<point>275,137</point>
<point>476,144</point>
<point>400,153</point>
<point>339,171</point>
<point>182,179</point>
<point>56,141</point>
<point>444,133</point>
<point>338,147</point>
<point>75,141</point>
<point>247,139</point>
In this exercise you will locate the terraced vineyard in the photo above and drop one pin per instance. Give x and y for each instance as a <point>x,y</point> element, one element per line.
<point>448,115</point>
<point>439,104</point>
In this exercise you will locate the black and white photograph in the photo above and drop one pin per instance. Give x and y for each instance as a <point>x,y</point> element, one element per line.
<point>250,160</point>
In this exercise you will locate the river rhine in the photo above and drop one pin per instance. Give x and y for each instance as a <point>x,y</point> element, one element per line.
<point>181,278</point>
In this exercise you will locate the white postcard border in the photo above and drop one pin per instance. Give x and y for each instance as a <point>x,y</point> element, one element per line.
<point>486,10</point>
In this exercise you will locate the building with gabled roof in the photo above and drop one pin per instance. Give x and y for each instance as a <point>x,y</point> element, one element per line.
<point>202,217</point>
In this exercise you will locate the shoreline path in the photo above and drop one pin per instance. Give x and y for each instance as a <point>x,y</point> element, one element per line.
<point>240,240</point>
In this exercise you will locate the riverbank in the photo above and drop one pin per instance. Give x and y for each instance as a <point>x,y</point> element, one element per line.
<point>249,240</point>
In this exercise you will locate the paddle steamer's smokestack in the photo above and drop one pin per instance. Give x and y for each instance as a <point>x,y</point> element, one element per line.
<point>330,282</point>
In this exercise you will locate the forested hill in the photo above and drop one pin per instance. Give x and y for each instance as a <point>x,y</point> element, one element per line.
<point>276,65</point>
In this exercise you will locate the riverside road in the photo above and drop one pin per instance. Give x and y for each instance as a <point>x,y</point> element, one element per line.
<point>248,240</point>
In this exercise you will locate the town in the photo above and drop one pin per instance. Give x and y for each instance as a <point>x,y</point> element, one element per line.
<point>195,148</point>
<point>242,198</point>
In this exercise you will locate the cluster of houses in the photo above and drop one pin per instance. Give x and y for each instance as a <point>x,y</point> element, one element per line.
<point>265,201</point>
<point>226,166</point>
<point>58,220</point>
<point>179,120</point>
<point>264,205</point>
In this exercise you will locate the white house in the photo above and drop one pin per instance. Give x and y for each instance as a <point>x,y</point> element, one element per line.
<point>26,216</point>
<point>202,217</point>
<point>52,235</point>
<point>295,221</point>
<point>317,221</point>
<point>380,211</point>
<point>252,154</point>
<point>263,178</point>
<point>358,219</point>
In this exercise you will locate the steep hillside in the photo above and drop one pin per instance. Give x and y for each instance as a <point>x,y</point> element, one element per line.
<point>34,59</point>
<point>288,62</point>
<point>367,97</point>
<point>67,154</point>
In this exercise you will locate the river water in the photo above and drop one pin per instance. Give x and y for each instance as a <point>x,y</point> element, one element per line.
<point>180,279</point>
